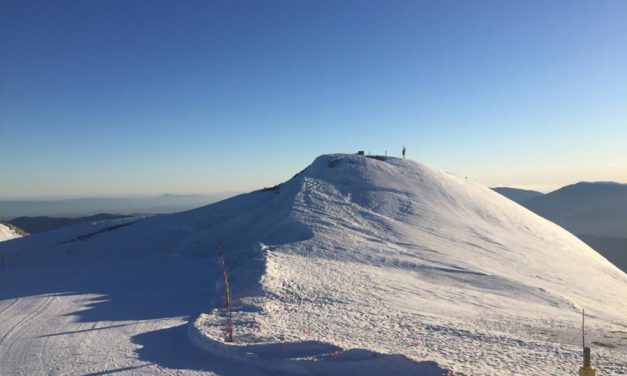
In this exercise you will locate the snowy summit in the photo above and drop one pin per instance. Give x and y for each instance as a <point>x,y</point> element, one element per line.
<point>355,265</point>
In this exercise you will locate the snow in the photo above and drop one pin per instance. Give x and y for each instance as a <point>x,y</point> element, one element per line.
<point>354,266</point>
<point>7,233</point>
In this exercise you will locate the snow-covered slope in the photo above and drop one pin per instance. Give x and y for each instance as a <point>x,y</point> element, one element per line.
<point>7,233</point>
<point>381,257</point>
<point>403,258</point>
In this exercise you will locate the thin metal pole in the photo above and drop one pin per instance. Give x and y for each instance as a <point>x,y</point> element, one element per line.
<point>583,328</point>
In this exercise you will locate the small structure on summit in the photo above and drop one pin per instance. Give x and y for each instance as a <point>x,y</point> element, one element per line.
<point>373,156</point>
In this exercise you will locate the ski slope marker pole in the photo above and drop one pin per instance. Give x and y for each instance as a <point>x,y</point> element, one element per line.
<point>583,328</point>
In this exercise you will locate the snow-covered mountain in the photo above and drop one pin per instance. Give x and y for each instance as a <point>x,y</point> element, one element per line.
<point>402,263</point>
<point>8,233</point>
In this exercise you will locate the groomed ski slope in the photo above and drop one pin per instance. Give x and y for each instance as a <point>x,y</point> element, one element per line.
<point>355,265</point>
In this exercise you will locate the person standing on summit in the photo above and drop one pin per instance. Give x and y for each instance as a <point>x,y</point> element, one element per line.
<point>404,152</point>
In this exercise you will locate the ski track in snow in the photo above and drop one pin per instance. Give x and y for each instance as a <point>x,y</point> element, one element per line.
<point>44,335</point>
<point>354,266</point>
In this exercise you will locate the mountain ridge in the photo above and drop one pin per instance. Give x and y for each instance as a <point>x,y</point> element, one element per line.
<point>516,194</point>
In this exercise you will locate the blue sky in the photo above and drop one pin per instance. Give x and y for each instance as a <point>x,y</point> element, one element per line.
<point>150,97</point>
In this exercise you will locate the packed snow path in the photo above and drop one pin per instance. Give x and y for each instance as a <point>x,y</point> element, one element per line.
<point>98,306</point>
<point>117,315</point>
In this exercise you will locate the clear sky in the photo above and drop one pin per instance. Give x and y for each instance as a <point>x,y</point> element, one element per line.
<point>150,97</point>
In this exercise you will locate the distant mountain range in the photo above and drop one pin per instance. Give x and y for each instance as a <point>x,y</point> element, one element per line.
<point>598,209</point>
<point>33,225</point>
<point>518,195</point>
<point>595,212</point>
<point>88,206</point>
